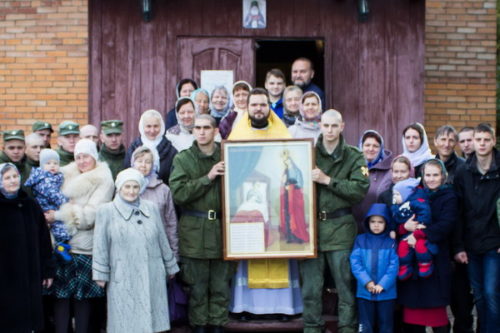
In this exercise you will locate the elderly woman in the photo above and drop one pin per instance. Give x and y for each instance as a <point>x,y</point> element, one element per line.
<point>307,126</point>
<point>241,90</point>
<point>147,162</point>
<point>151,127</point>
<point>25,256</point>
<point>424,300</point>
<point>219,103</point>
<point>88,184</point>
<point>379,161</point>
<point>132,259</point>
<point>181,134</point>
<point>201,99</point>
<point>291,104</point>
<point>416,146</point>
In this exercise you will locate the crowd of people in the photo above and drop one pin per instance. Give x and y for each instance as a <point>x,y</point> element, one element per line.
<point>403,236</point>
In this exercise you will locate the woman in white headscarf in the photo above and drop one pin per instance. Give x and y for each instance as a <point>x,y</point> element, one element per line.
<point>307,126</point>
<point>416,146</point>
<point>152,128</point>
<point>133,259</point>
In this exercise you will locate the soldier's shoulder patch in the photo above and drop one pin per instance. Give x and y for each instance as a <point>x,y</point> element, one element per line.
<point>364,171</point>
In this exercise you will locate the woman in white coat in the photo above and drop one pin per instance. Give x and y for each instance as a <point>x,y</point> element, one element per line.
<point>132,259</point>
<point>88,184</point>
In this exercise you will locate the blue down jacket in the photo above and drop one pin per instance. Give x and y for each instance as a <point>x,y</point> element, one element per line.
<point>374,258</point>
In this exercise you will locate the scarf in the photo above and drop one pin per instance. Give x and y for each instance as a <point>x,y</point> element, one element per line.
<point>422,154</point>
<point>381,153</point>
<point>145,140</point>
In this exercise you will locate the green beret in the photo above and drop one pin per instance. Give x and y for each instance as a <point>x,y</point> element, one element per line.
<point>112,126</point>
<point>13,135</point>
<point>68,127</point>
<point>41,125</point>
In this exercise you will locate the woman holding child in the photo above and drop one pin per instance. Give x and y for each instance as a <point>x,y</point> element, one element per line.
<point>87,184</point>
<point>424,299</point>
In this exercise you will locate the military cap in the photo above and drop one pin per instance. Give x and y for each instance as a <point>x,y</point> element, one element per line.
<point>112,126</point>
<point>69,127</point>
<point>41,125</point>
<point>13,135</point>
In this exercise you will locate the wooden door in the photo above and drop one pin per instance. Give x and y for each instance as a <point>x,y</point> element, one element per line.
<point>206,53</point>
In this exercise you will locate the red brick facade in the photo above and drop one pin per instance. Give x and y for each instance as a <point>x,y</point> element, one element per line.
<point>44,62</point>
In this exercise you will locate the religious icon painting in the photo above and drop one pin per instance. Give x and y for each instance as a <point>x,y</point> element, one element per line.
<point>254,14</point>
<point>269,199</point>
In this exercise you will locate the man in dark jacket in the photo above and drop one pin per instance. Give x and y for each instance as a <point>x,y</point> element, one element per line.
<point>196,187</point>
<point>112,149</point>
<point>445,141</point>
<point>477,238</point>
<point>342,181</point>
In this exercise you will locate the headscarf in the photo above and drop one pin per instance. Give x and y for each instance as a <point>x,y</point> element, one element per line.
<point>381,153</point>
<point>422,154</point>
<point>182,82</point>
<point>436,161</point>
<point>187,128</point>
<point>193,97</point>
<point>288,117</point>
<point>145,141</point>
<point>4,167</point>
<point>219,114</point>
<point>153,173</point>
<point>314,124</point>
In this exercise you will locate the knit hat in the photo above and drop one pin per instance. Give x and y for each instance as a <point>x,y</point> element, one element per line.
<point>86,146</point>
<point>47,155</point>
<point>130,174</point>
<point>406,187</point>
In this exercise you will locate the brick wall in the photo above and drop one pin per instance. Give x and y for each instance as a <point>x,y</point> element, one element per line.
<point>43,62</point>
<point>460,63</point>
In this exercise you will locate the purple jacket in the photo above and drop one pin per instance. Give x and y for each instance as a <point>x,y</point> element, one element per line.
<point>226,124</point>
<point>159,193</point>
<point>380,180</point>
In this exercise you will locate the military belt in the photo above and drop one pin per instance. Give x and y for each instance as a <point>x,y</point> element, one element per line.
<point>210,214</point>
<point>323,215</point>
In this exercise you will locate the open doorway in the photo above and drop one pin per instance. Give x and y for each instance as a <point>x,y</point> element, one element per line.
<point>281,53</point>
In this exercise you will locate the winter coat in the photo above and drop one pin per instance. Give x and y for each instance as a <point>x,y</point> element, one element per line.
<point>380,180</point>
<point>374,258</point>
<point>86,192</point>
<point>159,194</point>
<point>46,187</point>
<point>434,291</point>
<point>180,137</point>
<point>452,165</point>
<point>131,253</point>
<point>166,151</point>
<point>304,130</point>
<point>226,124</point>
<point>114,159</point>
<point>478,230</point>
<point>417,204</point>
<point>348,186</point>
<point>25,260</point>
<point>192,190</point>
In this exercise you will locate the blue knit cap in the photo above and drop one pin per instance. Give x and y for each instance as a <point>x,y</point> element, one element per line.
<point>406,187</point>
<point>47,155</point>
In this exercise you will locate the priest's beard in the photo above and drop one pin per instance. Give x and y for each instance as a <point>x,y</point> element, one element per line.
<point>259,123</point>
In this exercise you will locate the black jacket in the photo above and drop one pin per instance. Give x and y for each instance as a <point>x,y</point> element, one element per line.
<point>452,165</point>
<point>478,230</point>
<point>166,152</point>
<point>25,260</point>
<point>434,291</point>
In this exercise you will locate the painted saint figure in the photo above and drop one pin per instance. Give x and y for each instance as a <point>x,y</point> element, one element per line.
<point>292,218</point>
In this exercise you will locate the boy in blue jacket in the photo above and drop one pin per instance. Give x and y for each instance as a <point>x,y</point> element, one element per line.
<point>374,264</point>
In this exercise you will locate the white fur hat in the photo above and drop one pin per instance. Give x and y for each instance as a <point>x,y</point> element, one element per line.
<point>86,146</point>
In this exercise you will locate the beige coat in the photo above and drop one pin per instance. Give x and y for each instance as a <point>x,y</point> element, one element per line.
<point>86,192</point>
